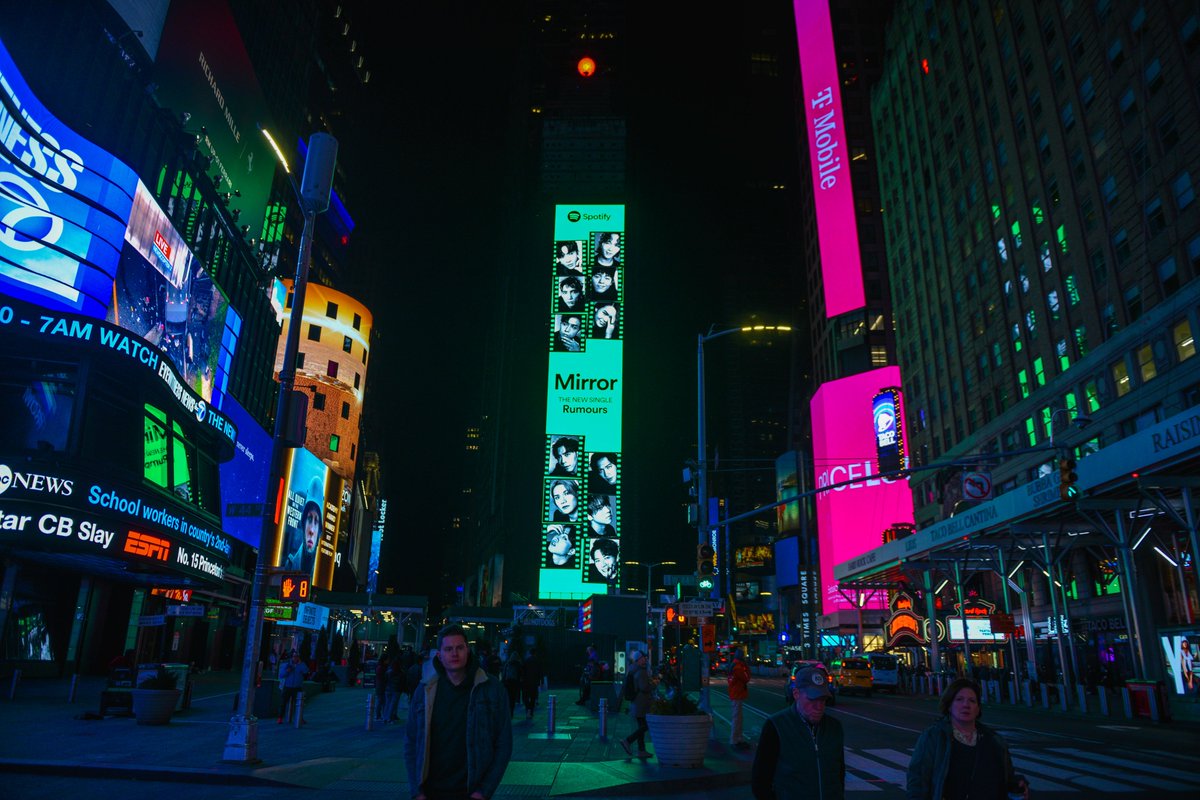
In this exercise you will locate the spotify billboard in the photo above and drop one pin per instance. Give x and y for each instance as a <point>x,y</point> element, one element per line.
<point>581,468</point>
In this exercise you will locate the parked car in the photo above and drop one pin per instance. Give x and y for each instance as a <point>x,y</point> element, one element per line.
<point>854,675</point>
<point>790,683</point>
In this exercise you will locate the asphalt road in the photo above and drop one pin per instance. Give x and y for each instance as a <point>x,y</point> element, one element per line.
<point>1063,756</point>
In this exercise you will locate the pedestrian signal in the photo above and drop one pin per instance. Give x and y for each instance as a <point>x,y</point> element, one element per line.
<point>1067,478</point>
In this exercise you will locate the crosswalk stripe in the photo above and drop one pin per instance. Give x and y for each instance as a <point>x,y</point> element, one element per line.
<point>894,756</point>
<point>1172,756</point>
<point>875,769</point>
<point>857,784</point>
<point>1039,775</point>
<point>1108,760</point>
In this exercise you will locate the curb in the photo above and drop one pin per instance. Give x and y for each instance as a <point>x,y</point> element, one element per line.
<point>143,773</point>
<point>722,780</point>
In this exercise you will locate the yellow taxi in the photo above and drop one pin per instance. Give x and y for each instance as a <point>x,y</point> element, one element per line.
<point>853,675</point>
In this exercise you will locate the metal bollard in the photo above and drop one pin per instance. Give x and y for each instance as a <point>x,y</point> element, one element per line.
<point>12,692</point>
<point>1045,695</point>
<point>1152,697</point>
<point>370,709</point>
<point>74,686</point>
<point>1103,695</point>
<point>551,708</point>
<point>1128,704</point>
<point>299,709</point>
<point>1082,692</point>
<point>1014,695</point>
<point>603,718</point>
<point>1062,695</point>
<point>1027,691</point>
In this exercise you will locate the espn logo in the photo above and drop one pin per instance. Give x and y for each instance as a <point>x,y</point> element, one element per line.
<point>147,546</point>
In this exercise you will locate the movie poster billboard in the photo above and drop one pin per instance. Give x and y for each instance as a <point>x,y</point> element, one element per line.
<point>581,517</point>
<point>309,518</point>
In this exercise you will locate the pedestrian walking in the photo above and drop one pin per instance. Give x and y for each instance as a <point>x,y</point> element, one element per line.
<point>590,667</point>
<point>395,677</point>
<point>381,668</point>
<point>457,742</point>
<point>531,680</point>
<point>643,693</point>
<point>801,752</point>
<point>739,682</point>
<point>959,757</point>
<point>512,679</point>
<point>292,674</point>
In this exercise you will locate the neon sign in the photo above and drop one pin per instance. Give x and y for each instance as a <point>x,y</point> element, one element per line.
<point>837,235</point>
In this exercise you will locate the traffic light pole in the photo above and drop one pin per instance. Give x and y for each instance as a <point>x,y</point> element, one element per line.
<point>241,744</point>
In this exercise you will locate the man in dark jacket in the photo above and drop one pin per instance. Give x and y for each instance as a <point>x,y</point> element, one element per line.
<point>801,751</point>
<point>531,680</point>
<point>458,739</point>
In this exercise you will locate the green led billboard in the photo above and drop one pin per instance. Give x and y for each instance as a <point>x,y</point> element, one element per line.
<point>581,522</point>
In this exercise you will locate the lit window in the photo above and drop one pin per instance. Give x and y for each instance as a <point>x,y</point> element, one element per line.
<point>878,356</point>
<point>1145,360</point>
<point>1081,340</point>
<point>1039,371</point>
<point>1030,431</point>
<point>1047,264</point>
<point>1023,380</point>
<point>335,442</point>
<point>1093,396</point>
<point>1120,376</point>
<point>1185,344</point>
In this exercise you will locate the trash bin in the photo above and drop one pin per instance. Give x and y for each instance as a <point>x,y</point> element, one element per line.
<point>267,697</point>
<point>1139,698</point>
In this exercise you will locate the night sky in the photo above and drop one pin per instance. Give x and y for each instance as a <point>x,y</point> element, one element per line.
<point>426,162</point>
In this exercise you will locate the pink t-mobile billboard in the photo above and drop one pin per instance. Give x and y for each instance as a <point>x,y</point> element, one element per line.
<point>851,518</point>
<point>837,229</point>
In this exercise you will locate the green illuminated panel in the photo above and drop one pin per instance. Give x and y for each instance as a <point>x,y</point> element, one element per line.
<point>580,505</point>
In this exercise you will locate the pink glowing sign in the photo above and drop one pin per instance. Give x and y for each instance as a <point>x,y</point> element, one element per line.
<point>837,228</point>
<point>851,519</point>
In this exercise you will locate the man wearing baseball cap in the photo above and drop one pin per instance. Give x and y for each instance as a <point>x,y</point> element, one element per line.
<point>801,751</point>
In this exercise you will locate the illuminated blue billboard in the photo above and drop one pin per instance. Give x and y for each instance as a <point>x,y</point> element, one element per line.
<point>244,478</point>
<point>64,205</point>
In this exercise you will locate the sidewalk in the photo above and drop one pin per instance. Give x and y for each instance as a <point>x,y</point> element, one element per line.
<point>333,750</point>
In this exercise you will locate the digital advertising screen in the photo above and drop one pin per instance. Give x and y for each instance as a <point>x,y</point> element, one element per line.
<point>829,159</point>
<point>889,430</point>
<point>64,204</point>
<point>244,478</point>
<point>581,469</point>
<point>309,518</point>
<point>203,71</point>
<point>1179,651</point>
<point>166,297</point>
<point>854,506</point>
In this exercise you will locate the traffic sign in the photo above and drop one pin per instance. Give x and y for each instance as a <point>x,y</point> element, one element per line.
<point>977,485</point>
<point>696,608</point>
<point>185,611</point>
<point>708,638</point>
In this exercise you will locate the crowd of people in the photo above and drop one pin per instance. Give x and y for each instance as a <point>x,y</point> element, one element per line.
<point>800,752</point>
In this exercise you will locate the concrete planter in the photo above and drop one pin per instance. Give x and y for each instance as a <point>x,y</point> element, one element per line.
<point>154,706</point>
<point>679,741</point>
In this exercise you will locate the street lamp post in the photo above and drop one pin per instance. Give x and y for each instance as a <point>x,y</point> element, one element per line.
<point>702,525</point>
<point>649,589</point>
<point>313,198</point>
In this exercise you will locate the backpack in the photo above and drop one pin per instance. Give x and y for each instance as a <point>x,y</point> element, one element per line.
<point>629,690</point>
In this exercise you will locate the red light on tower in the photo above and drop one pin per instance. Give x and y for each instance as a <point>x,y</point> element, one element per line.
<point>586,67</point>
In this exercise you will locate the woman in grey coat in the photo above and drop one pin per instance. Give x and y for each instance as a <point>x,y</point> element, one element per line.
<point>640,677</point>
